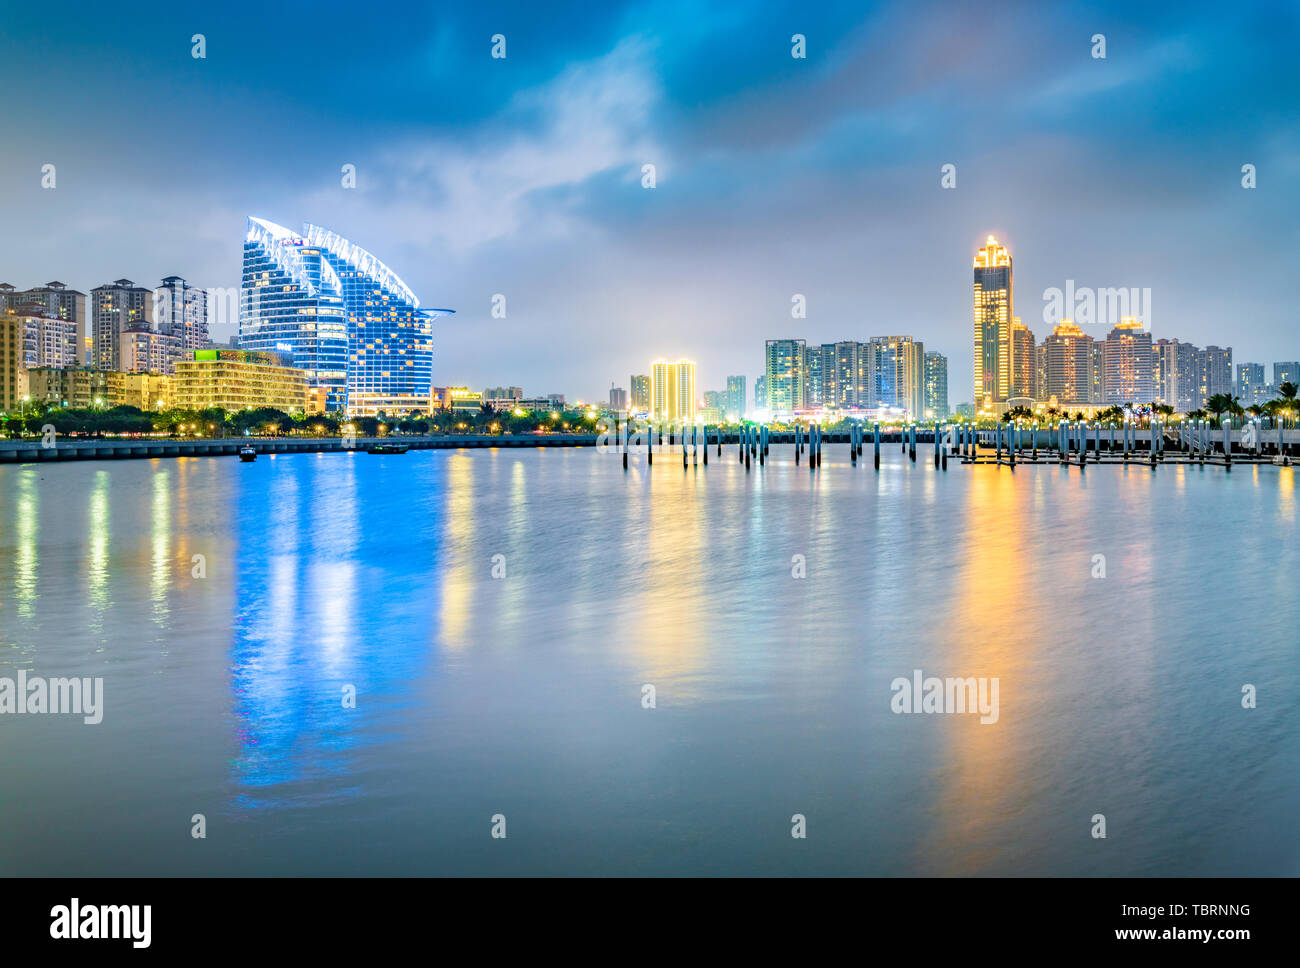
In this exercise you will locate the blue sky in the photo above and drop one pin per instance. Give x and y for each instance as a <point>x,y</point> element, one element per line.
<point>775,176</point>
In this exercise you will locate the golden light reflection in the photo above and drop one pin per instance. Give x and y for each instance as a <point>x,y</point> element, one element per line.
<point>98,537</point>
<point>458,579</point>
<point>677,554</point>
<point>27,534</point>
<point>984,779</point>
<point>161,540</point>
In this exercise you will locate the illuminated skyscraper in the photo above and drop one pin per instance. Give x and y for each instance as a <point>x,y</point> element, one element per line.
<point>786,382</point>
<point>1251,387</point>
<point>1215,364</point>
<point>1176,373</point>
<point>672,391</point>
<point>1127,359</point>
<point>736,400</point>
<point>52,299</point>
<point>390,338</point>
<point>1068,366</point>
<point>936,385</point>
<point>291,302</point>
<point>993,315</point>
<point>1024,362</point>
<point>115,308</point>
<point>640,392</point>
<point>181,310</point>
<point>898,367</point>
<point>342,315</point>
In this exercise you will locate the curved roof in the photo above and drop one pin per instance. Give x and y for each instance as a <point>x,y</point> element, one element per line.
<point>361,260</point>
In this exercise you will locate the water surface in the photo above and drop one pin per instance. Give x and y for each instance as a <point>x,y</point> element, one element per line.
<point>522,695</point>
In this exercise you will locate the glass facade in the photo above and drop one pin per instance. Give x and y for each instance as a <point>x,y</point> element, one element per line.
<point>390,338</point>
<point>291,302</point>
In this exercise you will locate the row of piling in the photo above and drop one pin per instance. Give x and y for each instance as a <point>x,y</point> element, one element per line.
<point>1066,442</point>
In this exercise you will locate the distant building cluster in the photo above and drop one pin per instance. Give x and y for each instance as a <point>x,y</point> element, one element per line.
<point>1073,370</point>
<point>120,347</point>
<point>885,374</point>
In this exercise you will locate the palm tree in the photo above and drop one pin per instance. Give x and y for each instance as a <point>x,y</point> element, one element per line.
<point>1053,411</point>
<point>1219,404</point>
<point>1017,413</point>
<point>1287,390</point>
<point>1197,414</point>
<point>1112,414</point>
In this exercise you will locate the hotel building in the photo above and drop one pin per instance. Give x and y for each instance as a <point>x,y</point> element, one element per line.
<point>390,338</point>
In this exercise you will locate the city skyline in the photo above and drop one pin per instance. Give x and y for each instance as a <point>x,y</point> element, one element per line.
<point>469,168</point>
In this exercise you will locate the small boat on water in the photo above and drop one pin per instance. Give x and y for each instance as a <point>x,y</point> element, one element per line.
<point>246,453</point>
<point>388,448</point>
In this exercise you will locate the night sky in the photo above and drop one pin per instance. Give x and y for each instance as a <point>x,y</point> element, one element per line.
<point>775,175</point>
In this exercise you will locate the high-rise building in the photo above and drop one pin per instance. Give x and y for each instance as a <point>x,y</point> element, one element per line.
<point>181,310</point>
<point>342,316</point>
<point>115,308</point>
<point>1126,356</point>
<point>936,385</point>
<point>45,340</point>
<point>1285,372</point>
<point>1176,374</point>
<point>736,402</point>
<point>993,315</point>
<point>52,299</point>
<point>1215,366</point>
<point>898,363</point>
<point>1068,366</point>
<point>1024,362</point>
<point>672,391</point>
<point>786,381</point>
<point>848,374</point>
<point>617,399</point>
<point>1251,388</point>
<point>760,392</point>
<point>814,390</point>
<point>390,338</point>
<point>640,383</point>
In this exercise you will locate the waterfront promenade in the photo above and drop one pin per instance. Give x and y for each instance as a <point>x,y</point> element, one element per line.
<point>32,450</point>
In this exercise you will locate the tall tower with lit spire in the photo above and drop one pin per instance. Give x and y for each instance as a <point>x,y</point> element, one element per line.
<point>993,322</point>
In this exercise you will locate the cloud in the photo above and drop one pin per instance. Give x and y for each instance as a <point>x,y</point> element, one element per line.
<point>509,178</point>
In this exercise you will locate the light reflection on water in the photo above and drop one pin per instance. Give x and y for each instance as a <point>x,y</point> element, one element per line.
<point>522,693</point>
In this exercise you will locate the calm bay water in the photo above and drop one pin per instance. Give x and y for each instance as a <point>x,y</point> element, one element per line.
<point>521,695</point>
